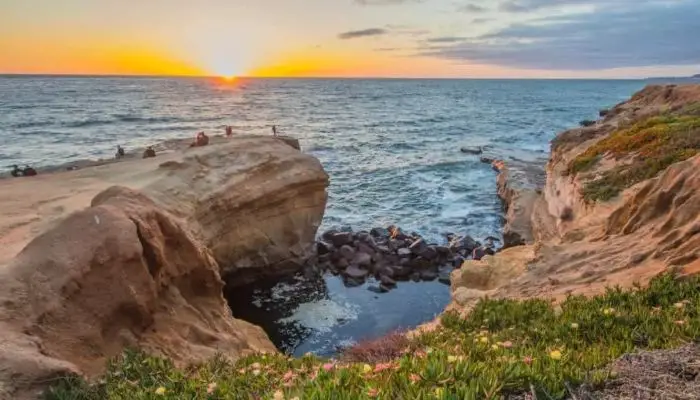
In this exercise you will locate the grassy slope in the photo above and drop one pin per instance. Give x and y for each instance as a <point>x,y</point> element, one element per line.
<point>503,348</point>
<point>653,144</point>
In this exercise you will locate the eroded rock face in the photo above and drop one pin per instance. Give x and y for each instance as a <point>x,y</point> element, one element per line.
<point>122,273</point>
<point>256,203</point>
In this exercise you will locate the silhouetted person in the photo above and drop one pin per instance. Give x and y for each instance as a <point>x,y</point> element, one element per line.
<point>149,152</point>
<point>229,131</point>
<point>200,140</point>
<point>16,172</point>
<point>274,130</point>
<point>120,152</point>
<point>29,171</point>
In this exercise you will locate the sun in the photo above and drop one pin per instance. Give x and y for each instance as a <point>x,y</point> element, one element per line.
<point>228,78</point>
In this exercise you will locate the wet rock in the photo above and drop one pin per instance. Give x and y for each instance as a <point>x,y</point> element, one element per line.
<point>397,233</point>
<point>364,237</point>
<point>327,236</point>
<point>341,239</point>
<point>420,263</point>
<point>603,112</point>
<point>487,160</point>
<point>380,233</point>
<point>429,253</point>
<point>352,282</point>
<point>356,273</point>
<point>387,281</point>
<point>586,123</point>
<point>443,251</point>
<point>362,260</point>
<point>383,249</point>
<point>395,244</point>
<point>417,247</point>
<point>404,262</point>
<point>323,248</point>
<point>341,263</point>
<point>415,277</point>
<point>489,251</point>
<point>400,272</point>
<point>404,252</point>
<point>472,150</point>
<point>375,289</point>
<point>479,253</point>
<point>347,252</point>
<point>384,288</point>
<point>444,278</point>
<point>466,243</point>
<point>428,275</point>
<point>386,271</point>
<point>366,248</point>
<point>457,261</point>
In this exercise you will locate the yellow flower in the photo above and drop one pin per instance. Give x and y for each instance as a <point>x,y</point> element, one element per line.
<point>295,398</point>
<point>574,325</point>
<point>555,355</point>
<point>495,346</point>
<point>451,359</point>
<point>439,392</point>
<point>366,368</point>
<point>608,311</point>
<point>679,305</point>
<point>278,395</point>
<point>484,339</point>
<point>160,391</point>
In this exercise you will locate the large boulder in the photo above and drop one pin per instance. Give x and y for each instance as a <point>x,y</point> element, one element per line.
<point>122,273</point>
<point>255,202</point>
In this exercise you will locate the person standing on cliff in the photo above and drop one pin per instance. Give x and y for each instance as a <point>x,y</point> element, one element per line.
<point>274,130</point>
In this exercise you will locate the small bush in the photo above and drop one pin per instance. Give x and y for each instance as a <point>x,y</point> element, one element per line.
<point>504,348</point>
<point>383,349</point>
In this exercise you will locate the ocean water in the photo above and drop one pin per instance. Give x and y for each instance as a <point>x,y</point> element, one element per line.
<point>391,148</point>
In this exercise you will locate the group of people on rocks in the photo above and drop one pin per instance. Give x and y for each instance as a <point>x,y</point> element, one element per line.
<point>26,171</point>
<point>200,140</point>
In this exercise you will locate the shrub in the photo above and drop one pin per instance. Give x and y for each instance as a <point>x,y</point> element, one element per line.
<point>504,348</point>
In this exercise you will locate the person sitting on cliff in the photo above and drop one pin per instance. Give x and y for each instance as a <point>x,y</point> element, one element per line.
<point>149,152</point>
<point>120,152</point>
<point>201,140</point>
<point>16,172</point>
<point>29,171</point>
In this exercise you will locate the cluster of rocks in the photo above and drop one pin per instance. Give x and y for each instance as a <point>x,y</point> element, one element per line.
<point>390,255</point>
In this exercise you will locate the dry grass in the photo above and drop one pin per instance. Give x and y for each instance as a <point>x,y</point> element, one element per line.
<point>383,349</point>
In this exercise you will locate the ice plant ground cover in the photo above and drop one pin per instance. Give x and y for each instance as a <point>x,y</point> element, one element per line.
<point>502,349</point>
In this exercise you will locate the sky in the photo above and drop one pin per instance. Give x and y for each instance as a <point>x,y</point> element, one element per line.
<point>353,38</point>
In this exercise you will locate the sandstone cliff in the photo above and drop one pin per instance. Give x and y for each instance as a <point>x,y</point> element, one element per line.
<point>620,205</point>
<point>141,265</point>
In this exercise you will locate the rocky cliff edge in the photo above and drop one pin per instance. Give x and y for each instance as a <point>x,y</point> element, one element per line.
<point>621,204</point>
<point>141,266</point>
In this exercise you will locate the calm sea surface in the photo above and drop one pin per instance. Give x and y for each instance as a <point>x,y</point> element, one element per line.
<point>391,148</point>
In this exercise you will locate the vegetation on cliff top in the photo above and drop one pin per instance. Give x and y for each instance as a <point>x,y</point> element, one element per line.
<point>504,348</point>
<point>646,148</point>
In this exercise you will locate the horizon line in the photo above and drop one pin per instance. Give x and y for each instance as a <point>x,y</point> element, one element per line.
<point>83,75</point>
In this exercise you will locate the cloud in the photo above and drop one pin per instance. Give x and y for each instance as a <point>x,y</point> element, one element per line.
<point>445,39</point>
<point>471,8</point>
<point>651,34</point>
<point>362,33</point>
<point>481,20</point>
<point>522,6</point>
<point>387,49</point>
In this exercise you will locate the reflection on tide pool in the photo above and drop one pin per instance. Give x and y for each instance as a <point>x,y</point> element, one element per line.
<point>314,313</point>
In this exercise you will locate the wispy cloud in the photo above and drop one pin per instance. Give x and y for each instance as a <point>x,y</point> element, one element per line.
<point>471,8</point>
<point>446,39</point>
<point>362,33</point>
<point>481,20</point>
<point>657,33</point>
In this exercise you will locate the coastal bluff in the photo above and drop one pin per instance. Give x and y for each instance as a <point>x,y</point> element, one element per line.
<point>134,254</point>
<point>620,205</point>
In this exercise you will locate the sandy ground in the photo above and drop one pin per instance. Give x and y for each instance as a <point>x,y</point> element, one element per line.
<point>31,205</point>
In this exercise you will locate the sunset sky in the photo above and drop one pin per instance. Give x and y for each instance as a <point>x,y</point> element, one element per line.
<point>354,38</point>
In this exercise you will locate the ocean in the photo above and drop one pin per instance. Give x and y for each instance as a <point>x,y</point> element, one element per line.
<point>391,148</point>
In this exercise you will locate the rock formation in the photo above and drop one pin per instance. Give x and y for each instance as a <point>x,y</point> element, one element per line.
<point>140,267</point>
<point>620,205</point>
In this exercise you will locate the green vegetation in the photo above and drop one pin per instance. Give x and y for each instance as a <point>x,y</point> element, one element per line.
<point>649,147</point>
<point>502,348</point>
